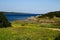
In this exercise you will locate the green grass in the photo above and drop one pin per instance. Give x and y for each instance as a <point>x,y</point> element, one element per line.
<point>24,33</point>
<point>30,30</point>
<point>35,24</point>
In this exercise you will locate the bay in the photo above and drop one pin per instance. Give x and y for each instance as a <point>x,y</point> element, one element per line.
<point>18,16</point>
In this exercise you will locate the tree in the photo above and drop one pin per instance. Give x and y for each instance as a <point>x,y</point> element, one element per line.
<point>3,21</point>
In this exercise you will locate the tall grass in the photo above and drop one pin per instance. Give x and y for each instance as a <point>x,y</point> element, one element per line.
<point>24,33</point>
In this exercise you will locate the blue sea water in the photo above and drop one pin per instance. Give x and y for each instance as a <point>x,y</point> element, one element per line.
<point>18,16</point>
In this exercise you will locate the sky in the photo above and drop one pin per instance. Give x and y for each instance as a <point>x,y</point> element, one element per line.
<point>30,6</point>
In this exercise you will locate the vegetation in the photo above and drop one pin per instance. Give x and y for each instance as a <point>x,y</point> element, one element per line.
<point>58,37</point>
<point>30,33</point>
<point>43,27</point>
<point>51,14</point>
<point>3,21</point>
<point>51,19</point>
<point>41,30</point>
<point>46,23</point>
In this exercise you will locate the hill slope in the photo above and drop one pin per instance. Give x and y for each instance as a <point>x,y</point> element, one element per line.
<point>51,14</point>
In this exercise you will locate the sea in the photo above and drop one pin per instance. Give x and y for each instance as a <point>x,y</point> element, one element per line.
<point>18,16</point>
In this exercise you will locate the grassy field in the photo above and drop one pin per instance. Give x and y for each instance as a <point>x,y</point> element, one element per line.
<point>25,33</point>
<point>30,30</point>
<point>37,23</point>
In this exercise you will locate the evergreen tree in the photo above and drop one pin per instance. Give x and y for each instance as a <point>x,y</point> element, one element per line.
<point>3,21</point>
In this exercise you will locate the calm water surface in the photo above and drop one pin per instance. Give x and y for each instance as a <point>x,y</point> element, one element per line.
<point>16,16</point>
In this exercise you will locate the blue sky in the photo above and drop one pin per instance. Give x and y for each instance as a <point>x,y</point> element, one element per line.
<point>30,6</point>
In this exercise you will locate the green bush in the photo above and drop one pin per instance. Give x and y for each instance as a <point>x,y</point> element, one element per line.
<point>3,21</point>
<point>58,37</point>
<point>48,25</point>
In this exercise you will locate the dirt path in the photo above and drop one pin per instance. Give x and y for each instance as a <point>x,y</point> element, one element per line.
<point>54,29</point>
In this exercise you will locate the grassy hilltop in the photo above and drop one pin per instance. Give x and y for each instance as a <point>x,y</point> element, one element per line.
<point>33,28</point>
<point>50,14</point>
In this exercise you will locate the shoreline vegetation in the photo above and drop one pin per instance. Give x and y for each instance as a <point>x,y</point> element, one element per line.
<point>40,27</point>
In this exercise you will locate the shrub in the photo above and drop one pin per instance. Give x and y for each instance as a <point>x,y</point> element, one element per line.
<point>3,21</point>
<point>58,37</point>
